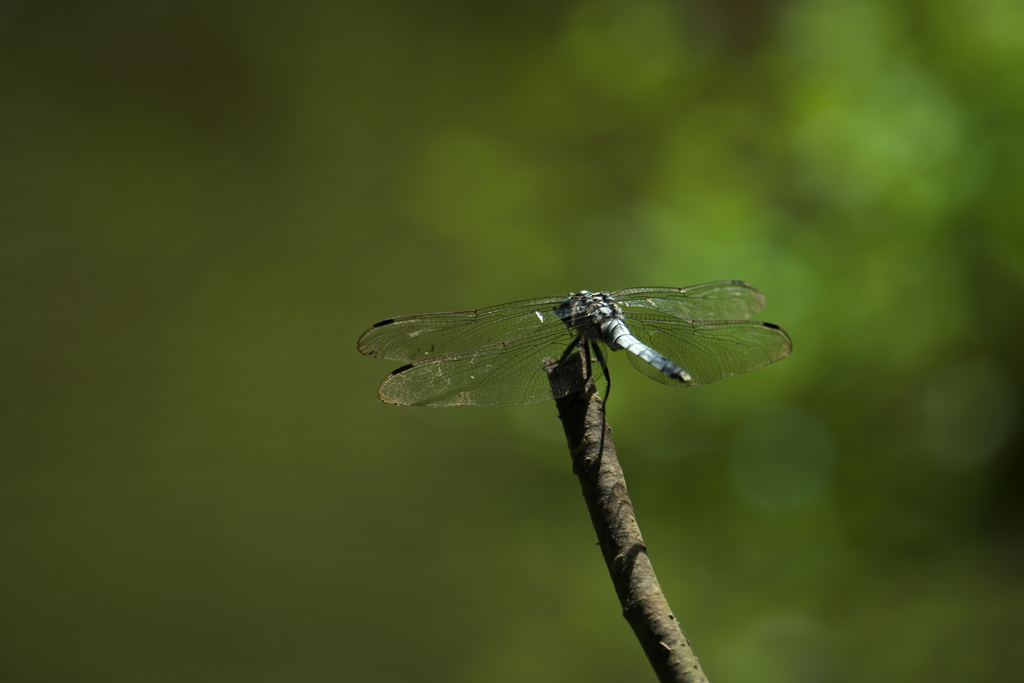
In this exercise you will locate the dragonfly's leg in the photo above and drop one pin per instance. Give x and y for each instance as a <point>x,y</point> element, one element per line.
<point>569,349</point>
<point>587,361</point>
<point>569,380</point>
<point>604,366</point>
<point>607,391</point>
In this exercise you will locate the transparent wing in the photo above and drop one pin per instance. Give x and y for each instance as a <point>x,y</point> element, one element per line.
<point>507,374</point>
<point>708,349</point>
<point>415,337</point>
<point>726,300</point>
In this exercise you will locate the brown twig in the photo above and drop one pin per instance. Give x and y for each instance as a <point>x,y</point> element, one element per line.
<point>604,489</point>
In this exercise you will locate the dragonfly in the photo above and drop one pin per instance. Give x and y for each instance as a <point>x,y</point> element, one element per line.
<point>501,355</point>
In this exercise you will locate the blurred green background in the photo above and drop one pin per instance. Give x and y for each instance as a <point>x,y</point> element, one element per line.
<point>202,206</point>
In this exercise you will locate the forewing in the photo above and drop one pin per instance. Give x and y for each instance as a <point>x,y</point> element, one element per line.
<point>708,349</point>
<point>416,337</point>
<point>726,300</point>
<point>505,374</point>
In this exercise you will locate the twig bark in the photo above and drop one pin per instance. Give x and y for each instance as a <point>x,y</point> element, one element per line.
<point>604,489</point>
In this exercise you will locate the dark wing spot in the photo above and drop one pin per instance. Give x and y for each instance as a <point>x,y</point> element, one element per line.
<point>401,369</point>
<point>384,322</point>
<point>772,326</point>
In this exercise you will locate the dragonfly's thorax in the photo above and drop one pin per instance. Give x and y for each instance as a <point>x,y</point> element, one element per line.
<point>591,314</point>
